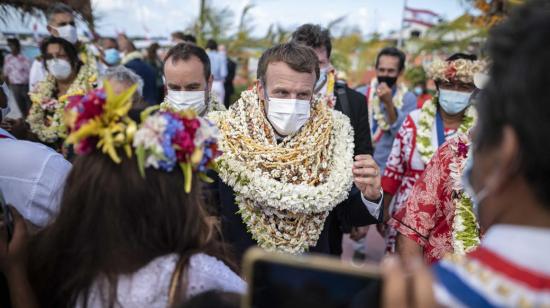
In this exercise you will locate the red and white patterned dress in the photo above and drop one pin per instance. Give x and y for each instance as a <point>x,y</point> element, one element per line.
<point>404,167</point>
<point>427,217</point>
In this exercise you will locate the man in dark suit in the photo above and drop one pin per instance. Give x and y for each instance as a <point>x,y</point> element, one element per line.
<point>348,101</point>
<point>286,77</point>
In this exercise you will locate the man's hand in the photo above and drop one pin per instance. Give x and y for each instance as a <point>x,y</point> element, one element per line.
<point>366,176</point>
<point>385,94</point>
<point>13,253</point>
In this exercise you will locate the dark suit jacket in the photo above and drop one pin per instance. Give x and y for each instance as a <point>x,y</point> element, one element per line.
<point>359,117</point>
<point>147,73</point>
<point>350,212</point>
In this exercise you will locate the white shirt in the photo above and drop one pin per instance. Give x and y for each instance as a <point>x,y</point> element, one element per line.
<point>374,208</point>
<point>149,286</point>
<point>32,177</point>
<point>37,74</point>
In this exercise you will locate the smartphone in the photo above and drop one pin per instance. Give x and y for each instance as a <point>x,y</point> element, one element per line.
<point>6,216</point>
<point>278,280</point>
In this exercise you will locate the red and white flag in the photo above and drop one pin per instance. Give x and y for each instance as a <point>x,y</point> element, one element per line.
<point>420,16</point>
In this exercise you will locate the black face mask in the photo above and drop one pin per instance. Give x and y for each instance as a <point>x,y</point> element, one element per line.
<point>390,81</point>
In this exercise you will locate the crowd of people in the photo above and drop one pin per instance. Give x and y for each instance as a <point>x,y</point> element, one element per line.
<point>133,180</point>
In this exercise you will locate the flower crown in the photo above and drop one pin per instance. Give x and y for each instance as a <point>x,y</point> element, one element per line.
<point>163,140</point>
<point>460,70</point>
<point>166,139</point>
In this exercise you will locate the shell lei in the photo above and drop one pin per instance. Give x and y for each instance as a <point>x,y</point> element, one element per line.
<point>377,111</point>
<point>46,113</point>
<point>426,123</point>
<point>465,229</point>
<point>285,190</point>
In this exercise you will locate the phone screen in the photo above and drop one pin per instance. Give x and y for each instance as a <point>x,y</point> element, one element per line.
<point>281,285</point>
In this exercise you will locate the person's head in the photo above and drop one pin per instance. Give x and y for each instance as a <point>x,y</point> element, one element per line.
<point>286,75</point>
<point>119,211</point>
<point>109,43</point>
<point>177,37</point>
<point>15,46</point>
<point>60,58</point>
<point>390,64</point>
<point>511,169</point>
<point>152,51</point>
<point>189,38</point>
<point>61,22</point>
<point>211,45</point>
<point>188,77</point>
<point>125,44</point>
<point>454,79</point>
<point>122,78</point>
<point>420,88</point>
<point>317,38</point>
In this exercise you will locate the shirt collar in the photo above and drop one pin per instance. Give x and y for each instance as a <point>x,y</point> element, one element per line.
<point>523,245</point>
<point>6,133</point>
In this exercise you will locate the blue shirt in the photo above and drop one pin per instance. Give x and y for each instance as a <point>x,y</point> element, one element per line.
<point>32,177</point>
<point>383,147</point>
<point>218,65</point>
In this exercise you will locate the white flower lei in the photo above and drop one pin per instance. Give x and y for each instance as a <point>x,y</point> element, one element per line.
<point>375,103</point>
<point>465,232</point>
<point>425,126</point>
<point>46,115</point>
<point>213,105</point>
<point>283,203</point>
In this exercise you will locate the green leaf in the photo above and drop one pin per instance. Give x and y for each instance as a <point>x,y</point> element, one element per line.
<point>140,154</point>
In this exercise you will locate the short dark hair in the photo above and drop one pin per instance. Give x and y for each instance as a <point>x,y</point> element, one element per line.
<point>70,49</point>
<point>184,51</point>
<point>189,38</point>
<point>392,52</point>
<point>299,57</point>
<point>313,36</point>
<point>178,35</point>
<point>517,92</point>
<point>211,44</point>
<point>14,42</point>
<point>460,55</point>
<point>58,8</point>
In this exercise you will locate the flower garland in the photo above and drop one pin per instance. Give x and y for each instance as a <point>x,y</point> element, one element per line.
<point>46,113</point>
<point>460,70</point>
<point>285,190</point>
<point>213,105</point>
<point>378,115</point>
<point>465,229</point>
<point>426,123</point>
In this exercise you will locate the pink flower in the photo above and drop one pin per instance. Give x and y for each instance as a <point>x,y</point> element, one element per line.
<point>462,149</point>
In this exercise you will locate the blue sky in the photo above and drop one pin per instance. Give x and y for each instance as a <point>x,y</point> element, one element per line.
<point>160,17</point>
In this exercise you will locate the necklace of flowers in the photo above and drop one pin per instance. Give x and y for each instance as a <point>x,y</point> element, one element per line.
<point>425,128</point>
<point>465,229</point>
<point>213,105</point>
<point>46,115</point>
<point>285,190</point>
<point>375,103</point>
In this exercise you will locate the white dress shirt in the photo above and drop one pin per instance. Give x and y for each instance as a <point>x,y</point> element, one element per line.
<point>32,177</point>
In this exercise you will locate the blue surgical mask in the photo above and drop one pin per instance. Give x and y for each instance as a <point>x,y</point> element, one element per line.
<point>454,102</point>
<point>418,91</point>
<point>478,197</point>
<point>112,56</point>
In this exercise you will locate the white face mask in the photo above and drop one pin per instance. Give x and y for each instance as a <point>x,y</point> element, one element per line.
<point>454,102</point>
<point>67,32</point>
<point>180,100</point>
<point>59,68</point>
<point>287,116</point>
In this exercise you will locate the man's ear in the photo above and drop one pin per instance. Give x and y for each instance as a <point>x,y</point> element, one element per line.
<point>260,89</point>
<point>507,157</point>
<point>52,31</point>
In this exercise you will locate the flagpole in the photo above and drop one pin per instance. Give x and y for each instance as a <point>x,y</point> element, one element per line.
<point>400,41</point>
